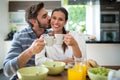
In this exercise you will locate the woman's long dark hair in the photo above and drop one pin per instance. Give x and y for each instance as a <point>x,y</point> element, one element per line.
<point>63,10</point>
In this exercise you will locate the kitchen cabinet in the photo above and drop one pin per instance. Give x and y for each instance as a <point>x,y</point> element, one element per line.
<point>17,17</point>
<point>104,54</point>
<point>7,45</point>
<point>110,20</point>
<point>103,2</point>
<point>3,51</point>
<point>21,5</point>
<point>109,5</point>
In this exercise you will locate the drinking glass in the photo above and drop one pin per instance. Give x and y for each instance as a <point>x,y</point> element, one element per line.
<point>79,71</point>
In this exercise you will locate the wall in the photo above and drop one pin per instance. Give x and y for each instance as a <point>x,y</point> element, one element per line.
<point>104,54</point>
<point>4,28</point>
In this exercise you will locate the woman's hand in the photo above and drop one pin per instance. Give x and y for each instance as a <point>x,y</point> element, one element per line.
<point>69,40</point>
<point>68,60</point>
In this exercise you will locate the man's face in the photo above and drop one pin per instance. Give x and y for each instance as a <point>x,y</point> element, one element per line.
<point>43,18</point>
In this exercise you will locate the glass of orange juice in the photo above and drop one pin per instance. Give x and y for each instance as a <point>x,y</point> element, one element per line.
<point>84,71</point>
<point>79,71</point>
<point>74,74</point>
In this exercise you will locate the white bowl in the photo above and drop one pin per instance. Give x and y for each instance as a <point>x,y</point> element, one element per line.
<point>32,73</point>
<point>55,67</point>
<point>99,73</point>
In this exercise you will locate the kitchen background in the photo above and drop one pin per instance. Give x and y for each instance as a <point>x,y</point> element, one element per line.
<point>93,17</point>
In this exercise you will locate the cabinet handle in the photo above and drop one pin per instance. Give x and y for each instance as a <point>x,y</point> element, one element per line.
<point>109,7</point>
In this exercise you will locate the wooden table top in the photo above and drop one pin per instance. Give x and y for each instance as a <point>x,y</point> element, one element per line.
<point>63,75</point>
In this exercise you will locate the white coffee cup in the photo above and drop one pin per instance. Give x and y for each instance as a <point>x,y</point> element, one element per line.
<point>59,38</point>
<point>49,40</point>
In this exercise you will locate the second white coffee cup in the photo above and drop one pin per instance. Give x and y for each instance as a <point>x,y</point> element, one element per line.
<point>59,39</point>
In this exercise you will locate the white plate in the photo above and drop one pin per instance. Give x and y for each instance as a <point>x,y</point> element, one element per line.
<point>69,65</point>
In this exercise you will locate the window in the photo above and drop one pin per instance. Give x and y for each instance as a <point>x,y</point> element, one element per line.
<point>84,16</point>
<point>77,16</point>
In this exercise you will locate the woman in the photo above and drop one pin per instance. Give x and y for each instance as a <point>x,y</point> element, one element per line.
<point>73,45</point>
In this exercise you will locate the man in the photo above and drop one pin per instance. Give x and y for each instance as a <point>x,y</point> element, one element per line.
<point>27,42</point>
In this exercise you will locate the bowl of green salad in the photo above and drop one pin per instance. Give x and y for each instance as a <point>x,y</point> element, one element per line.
<point>99,73</point>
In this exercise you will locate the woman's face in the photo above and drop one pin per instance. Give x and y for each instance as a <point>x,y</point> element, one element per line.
<point>58,21</point>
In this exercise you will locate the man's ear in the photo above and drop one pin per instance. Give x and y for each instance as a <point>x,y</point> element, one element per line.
<point>33,21</point>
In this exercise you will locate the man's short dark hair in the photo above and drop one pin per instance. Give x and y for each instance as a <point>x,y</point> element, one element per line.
<point>32,11</point>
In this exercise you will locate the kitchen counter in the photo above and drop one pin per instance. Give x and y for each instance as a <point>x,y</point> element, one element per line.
<point>100,42</point>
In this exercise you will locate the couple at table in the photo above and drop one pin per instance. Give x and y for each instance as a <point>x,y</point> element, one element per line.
<point>73,42</point>
<point>28,47</point>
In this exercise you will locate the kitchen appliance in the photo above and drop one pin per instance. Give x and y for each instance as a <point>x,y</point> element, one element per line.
<point>110,26</point>
<point>17,17</point>
<point>109,35</point>
<point>109,17</point>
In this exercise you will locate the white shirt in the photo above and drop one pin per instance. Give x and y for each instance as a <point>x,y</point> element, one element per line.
<point>56,52</point>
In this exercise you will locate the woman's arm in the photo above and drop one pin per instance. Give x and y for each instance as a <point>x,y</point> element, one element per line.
<point>77,42</point>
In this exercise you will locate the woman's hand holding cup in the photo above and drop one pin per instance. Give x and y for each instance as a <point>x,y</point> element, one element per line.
<point>69,40</point>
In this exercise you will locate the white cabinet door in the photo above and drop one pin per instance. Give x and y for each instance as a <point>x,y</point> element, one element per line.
<point>2,53</point>
<point>104,54</point>
<point>4,47</point>
<point>7,45</point>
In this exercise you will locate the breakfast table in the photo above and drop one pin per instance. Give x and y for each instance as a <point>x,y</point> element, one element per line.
<point>63,75</point>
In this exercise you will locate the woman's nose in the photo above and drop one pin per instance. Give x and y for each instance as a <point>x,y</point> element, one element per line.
<point>56,21</point>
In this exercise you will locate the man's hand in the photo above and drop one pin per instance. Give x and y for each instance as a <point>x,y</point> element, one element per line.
<point>37,45</point>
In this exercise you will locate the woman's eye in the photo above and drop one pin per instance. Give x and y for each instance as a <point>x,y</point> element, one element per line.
<point>53,18</point>
<point>61,19</point>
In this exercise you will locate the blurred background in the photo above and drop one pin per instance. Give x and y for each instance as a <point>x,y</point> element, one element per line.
<point>91,17</point>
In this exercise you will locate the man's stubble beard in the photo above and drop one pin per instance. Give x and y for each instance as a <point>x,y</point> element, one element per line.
<point>43,26</point>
